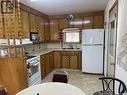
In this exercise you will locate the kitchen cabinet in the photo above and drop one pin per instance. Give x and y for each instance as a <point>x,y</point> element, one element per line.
<point>88,22</point>
<point>43,66</point>
<point>40,28</point>
<point>63,24</point>
<point>54,30</point>
<point>32,21</point>
<point>46,31</point>
<point>57,59</point>
<point>46,64</point>
<point>98,21</point>
<point>70,59</point>
<point>51,61</point>
<point>65,60</point>
<point>25,24</point>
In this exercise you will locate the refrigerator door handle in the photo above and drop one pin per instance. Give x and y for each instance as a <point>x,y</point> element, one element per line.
<point>92,44</point>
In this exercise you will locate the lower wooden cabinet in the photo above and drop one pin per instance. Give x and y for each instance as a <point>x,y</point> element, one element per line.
<point>51,61</point>
<point>70,60</point>
<point>57,59</point>
<point>65,61</point>
<point>47,64</point>
<point>43,66</point>
<point>60,59</point>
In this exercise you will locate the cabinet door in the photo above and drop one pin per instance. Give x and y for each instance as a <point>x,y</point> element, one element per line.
<point>63,23</point>
<point>80,60</point>
<point>46,31</point>
<point>51,59</point>
<point>43,66</point>
<point>40,28</point>
<point>65,61</point>
<point>98,21</point>
<point>73,62</point>
<point>57,59</point>
<point>47,64</point>
<point>25,23</point>
<point>33,27</point>
<point>88,22</point>
<point>54,31</point>
<point>1,28</point>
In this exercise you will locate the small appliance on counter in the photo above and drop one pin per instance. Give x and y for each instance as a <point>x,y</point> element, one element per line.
<point>34,37</point>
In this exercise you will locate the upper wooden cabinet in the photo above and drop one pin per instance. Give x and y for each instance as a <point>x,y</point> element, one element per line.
<point>70,59</point>
<point>98,21</point>
<point>40,28</point>
<point>46,31</point>
<point>33,26</point>
<point>88,22</point>
<point>25,24</point>
<point>63,23</point>
<point>54,30</point>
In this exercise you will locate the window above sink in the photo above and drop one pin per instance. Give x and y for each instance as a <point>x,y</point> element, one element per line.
<point>71,35</point>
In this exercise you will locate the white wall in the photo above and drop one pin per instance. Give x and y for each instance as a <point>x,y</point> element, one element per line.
<point>121,65</point>
<point>121,68</point>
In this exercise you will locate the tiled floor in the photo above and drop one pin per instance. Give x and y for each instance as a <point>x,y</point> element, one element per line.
<point>86,82</point>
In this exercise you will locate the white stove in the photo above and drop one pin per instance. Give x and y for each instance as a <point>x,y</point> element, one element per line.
<point>34,70</point>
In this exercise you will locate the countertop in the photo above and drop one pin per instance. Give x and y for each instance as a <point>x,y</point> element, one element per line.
<point>44,51</point>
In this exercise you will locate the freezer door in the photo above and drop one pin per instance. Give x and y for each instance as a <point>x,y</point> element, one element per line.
<point>93,36</point>
<point>92,59</point>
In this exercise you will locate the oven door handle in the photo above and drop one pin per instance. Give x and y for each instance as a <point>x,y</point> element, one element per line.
<point>35,64</point>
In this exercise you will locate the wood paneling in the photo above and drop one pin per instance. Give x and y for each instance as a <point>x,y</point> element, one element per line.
<point>1,28</point>
<point>13,74</point>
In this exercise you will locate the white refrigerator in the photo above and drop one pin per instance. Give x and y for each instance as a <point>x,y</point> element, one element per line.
<point>92,51</point>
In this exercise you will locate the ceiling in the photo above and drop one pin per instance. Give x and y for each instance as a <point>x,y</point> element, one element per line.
<point>57,7</point>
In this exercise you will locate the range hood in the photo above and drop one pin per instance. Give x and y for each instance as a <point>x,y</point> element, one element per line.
<point>4,42</point>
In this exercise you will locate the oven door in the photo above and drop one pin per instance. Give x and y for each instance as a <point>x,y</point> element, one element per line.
<point>34,74</point>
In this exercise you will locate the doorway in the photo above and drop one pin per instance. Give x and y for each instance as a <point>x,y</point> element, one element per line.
<point>112,40</point>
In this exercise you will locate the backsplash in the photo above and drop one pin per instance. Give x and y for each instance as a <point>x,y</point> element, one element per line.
<point>44,46</point>
<point>35,47</point>
<point>59,45</point>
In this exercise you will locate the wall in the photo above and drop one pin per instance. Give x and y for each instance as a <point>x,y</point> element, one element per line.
<point>121,65</point>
